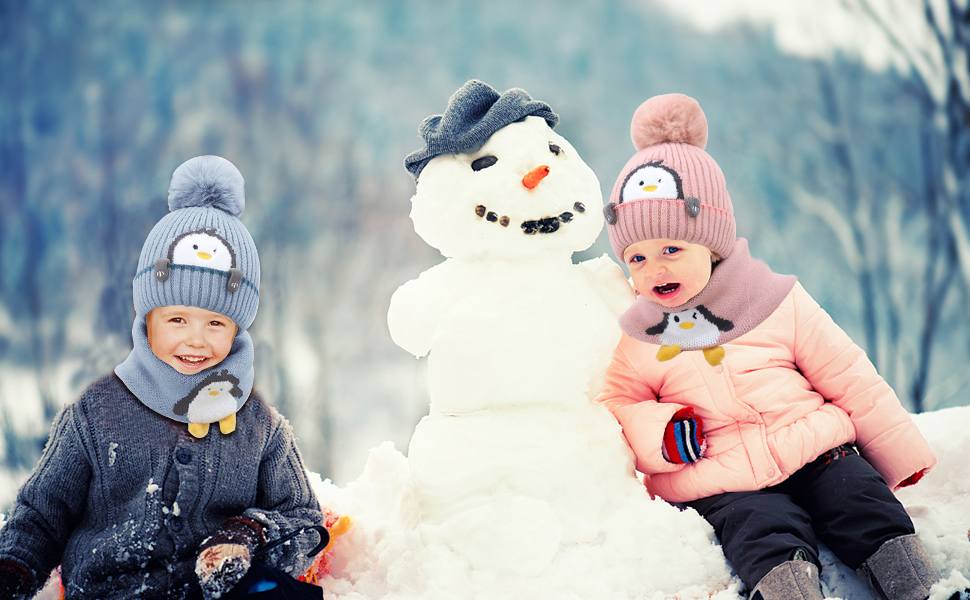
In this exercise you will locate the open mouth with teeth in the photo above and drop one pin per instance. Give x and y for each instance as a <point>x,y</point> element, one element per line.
<point>666,289</point>
<point>192,362</point>
<point>531,227</point>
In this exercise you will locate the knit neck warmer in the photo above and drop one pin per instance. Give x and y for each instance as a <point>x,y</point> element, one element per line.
<point>200,399</point>
<point>741,293</point>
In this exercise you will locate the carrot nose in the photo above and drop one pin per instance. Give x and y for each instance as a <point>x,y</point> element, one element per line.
<point>533,177</point>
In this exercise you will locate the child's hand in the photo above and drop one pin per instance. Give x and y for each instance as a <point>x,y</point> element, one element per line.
<point>15,579</point>
<point>220,568</point>
<point>684,440</point>
<point>225,556</point>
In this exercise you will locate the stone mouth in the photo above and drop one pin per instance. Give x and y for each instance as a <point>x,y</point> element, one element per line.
<point>532,226</point>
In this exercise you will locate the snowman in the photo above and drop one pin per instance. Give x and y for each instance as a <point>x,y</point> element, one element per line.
<point>514,453</point>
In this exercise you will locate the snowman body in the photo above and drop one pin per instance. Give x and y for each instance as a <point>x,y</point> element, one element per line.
<point>519,340</point>
<point>506,333</point>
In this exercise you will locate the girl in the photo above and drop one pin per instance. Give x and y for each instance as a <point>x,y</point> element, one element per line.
<point>779,431</point>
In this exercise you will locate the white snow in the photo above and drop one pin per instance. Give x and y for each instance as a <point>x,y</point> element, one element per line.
<point>112,453</point>
<point>384,555</point>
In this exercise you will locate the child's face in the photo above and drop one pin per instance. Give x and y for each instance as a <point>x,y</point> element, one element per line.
<point>669,272</point>
<point>189,339</point>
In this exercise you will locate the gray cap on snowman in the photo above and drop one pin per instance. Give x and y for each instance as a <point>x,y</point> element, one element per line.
<point>200,254</point>
<point>474,113</point>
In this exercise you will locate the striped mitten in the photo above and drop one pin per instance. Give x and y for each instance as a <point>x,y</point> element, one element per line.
<point>684,440</point>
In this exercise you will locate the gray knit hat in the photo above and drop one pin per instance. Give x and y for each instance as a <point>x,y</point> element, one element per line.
<point>474,113</point>
<point>200,254</point>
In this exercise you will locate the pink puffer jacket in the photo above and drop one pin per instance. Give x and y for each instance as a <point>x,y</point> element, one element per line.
<point>786,391</point>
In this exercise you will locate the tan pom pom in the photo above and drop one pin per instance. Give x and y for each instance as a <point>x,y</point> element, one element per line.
<point>671,118</point>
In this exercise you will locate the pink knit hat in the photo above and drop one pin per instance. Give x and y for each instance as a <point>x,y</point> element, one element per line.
<point>671,188</point>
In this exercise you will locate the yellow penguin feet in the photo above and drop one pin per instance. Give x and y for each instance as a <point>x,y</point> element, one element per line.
<point>228,425</point>
<point>198,429</point>
<point>714,355</point>
<point>667,352</point>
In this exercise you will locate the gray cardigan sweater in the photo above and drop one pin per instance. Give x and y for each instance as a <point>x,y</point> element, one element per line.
<point>122,497</point>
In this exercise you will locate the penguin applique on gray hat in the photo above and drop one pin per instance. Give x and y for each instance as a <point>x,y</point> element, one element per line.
<point>198,255</point>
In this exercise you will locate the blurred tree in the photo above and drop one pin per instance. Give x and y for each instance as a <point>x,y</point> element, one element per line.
<point>937,54</point>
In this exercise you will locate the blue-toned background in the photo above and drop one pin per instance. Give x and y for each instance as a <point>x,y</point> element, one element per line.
<point>851,175</point>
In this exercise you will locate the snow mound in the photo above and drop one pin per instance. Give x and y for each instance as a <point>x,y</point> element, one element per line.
<point>385,556</point>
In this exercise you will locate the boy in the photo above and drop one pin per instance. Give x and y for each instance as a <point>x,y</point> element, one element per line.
<point>129,500</point>
<point>758,431</point>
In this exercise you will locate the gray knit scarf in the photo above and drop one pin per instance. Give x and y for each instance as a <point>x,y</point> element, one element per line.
<point>206,397</point>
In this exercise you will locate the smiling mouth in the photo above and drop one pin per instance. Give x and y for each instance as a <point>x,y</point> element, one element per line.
<point>532,227</point>
<point>192,361</point>
<point>547,225</point>
<point>666,289</point>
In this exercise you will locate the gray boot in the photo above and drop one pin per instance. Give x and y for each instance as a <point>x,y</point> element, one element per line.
<point>792,580</point>
<point>900,570</point>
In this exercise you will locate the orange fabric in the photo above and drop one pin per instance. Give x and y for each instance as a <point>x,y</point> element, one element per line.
<point>336,525</point>
<point>787,391</point>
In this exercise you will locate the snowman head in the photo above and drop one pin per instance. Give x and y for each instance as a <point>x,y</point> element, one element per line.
<point>519,191</point>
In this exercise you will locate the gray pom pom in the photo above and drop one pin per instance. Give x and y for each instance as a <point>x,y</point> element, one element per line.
<point>609,212</point>
<point>207,181</point>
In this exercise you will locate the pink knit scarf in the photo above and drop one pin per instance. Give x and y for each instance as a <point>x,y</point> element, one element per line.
<point>741,293</point>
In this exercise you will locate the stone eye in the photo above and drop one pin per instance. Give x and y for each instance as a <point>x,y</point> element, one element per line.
<point>483,163</point>
<point>554,149</point>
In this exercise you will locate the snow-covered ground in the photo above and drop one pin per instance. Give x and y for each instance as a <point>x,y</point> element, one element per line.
<point>384,556</point>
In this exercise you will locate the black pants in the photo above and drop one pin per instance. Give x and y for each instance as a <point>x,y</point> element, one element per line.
<point>838,499</point>
<point>280,586</point>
